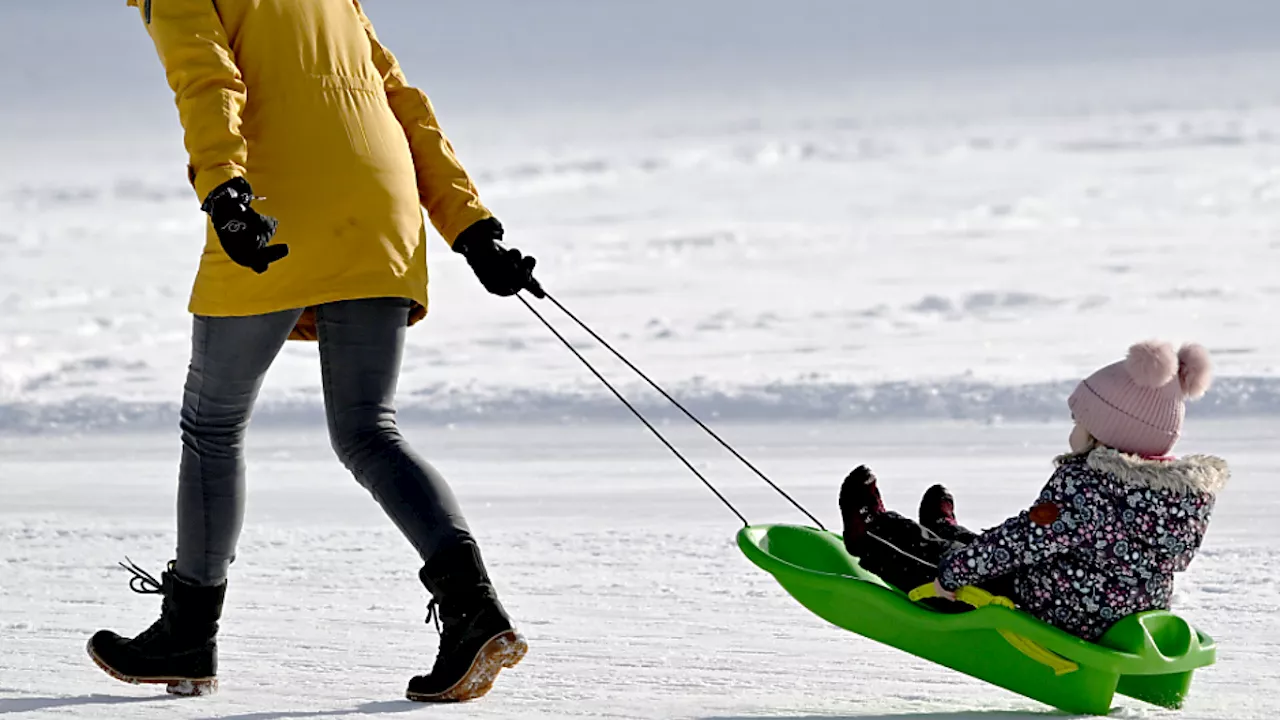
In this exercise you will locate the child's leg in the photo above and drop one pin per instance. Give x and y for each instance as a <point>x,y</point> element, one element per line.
<point>906,555</point>
<point>1002,585</point>
<point>955,533</point>
<point>901,551</point>
<point>937,513</point>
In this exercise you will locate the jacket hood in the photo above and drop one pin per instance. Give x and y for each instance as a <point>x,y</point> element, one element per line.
<point>1193,473</point>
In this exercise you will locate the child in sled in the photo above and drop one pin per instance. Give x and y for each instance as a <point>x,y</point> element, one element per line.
<point>1116,520</point>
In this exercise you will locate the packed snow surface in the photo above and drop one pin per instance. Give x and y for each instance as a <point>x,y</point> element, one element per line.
<point>617,564</point>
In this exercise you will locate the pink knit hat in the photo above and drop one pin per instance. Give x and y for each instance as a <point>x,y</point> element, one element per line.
<point>1136,405</point>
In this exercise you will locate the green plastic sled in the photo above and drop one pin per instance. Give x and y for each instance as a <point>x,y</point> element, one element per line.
<point>1149,656</point>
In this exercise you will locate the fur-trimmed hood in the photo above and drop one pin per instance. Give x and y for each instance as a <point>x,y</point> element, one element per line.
<point>1193,473</point>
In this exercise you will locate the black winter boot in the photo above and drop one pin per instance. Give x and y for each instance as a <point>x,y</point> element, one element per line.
<point>860,503</point>
<point>477,639</point>
<point>937,509</point>
<point>180,649</point>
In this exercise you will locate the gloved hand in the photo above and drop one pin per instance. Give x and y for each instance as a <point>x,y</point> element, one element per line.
<point>243,232</point>
<point>503,271</point>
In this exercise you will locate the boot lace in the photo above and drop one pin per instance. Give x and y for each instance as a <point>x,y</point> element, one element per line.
<point>433,618</point>
<point>144,583</point>
<point>433,615</point>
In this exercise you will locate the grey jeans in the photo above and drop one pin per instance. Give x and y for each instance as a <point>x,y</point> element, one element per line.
<point>361,344</point>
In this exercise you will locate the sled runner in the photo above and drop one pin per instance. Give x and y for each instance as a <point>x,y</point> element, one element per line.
<point>1148,656</point>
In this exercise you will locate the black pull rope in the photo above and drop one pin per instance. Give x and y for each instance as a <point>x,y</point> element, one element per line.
<point>635,412</point>
<point>684,410</point>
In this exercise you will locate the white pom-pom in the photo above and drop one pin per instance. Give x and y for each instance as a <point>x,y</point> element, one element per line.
<point>1194,371</point>
<point>1152,363</point>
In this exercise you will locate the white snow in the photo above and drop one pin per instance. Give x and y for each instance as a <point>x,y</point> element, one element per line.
<point>618,565</point>
<point>895,233</point>
<point>893,249</point>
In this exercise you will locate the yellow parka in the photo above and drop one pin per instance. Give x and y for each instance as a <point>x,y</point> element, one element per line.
<point>299,98</point>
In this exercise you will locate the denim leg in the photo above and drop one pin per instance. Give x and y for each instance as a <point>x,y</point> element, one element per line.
<point>361,344</point>
<point>229,357</point>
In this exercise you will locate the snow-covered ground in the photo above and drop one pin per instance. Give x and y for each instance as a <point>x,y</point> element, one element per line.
<point>618,564</point>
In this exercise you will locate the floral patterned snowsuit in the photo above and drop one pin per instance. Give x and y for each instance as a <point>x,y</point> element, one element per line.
<point>1103,540</point>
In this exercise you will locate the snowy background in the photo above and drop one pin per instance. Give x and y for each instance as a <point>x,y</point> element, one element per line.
<point>844,230</point>
<point>834,210</point>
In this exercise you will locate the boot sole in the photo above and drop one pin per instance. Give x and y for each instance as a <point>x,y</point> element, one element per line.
<point>504,650</point>
<point>186,687</point>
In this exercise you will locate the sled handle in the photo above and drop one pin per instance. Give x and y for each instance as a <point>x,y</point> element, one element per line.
<point>977,597</point>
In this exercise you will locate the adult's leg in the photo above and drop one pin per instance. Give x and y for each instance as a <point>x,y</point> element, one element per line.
<point>229,358</point>
<point>361,344</point>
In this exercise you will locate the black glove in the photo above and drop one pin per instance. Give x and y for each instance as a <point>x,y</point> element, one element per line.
<point>503,271</point>
<point>243,232</point>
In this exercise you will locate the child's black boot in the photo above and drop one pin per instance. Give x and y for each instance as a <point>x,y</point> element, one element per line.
<point>859,504</point>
